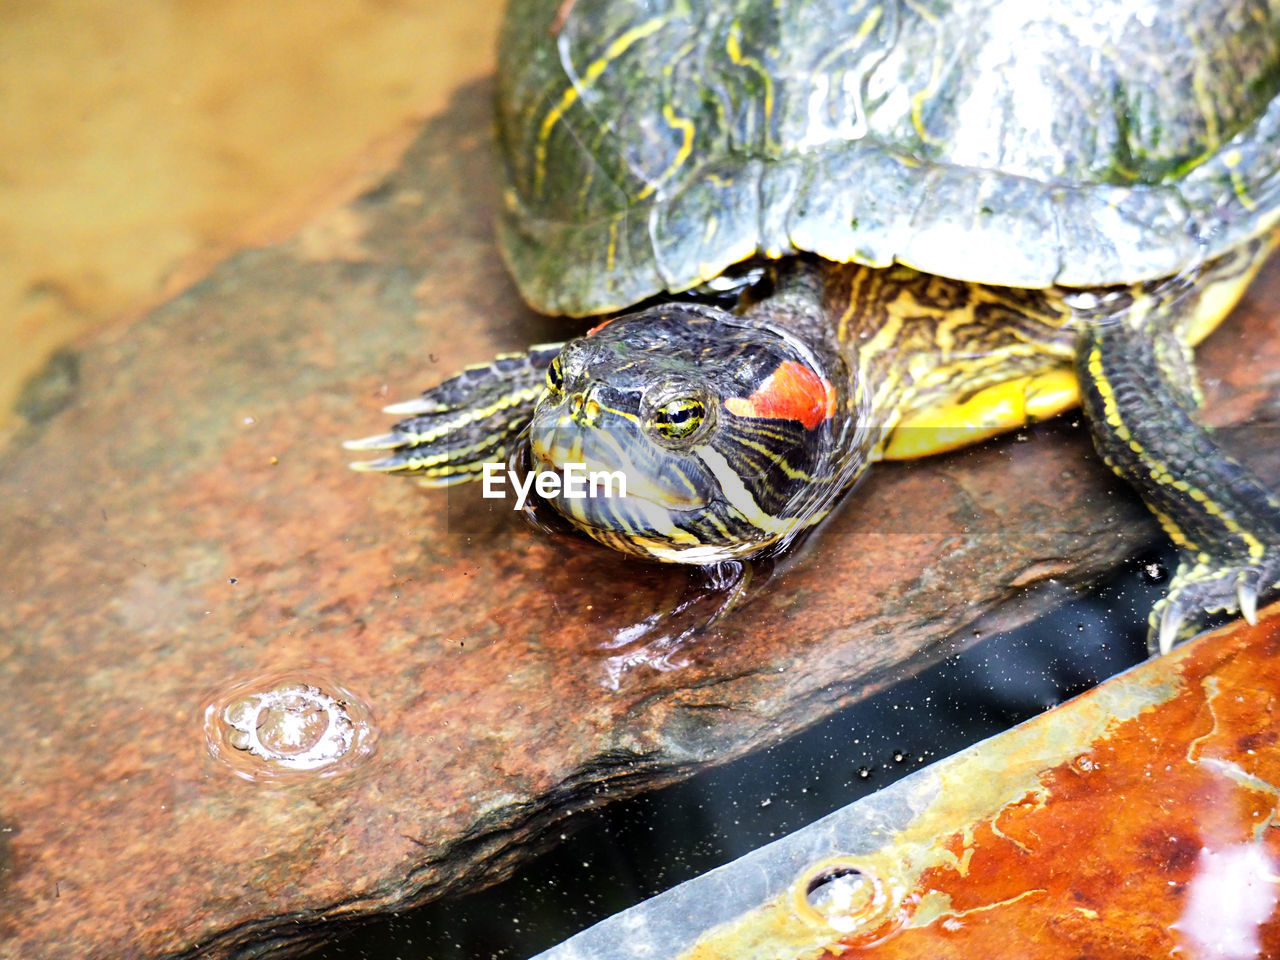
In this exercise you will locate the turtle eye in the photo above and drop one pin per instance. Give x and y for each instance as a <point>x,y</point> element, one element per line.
<point>679,418</point>
<point>555,376</point>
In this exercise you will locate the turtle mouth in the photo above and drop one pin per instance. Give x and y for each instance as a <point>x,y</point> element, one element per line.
<point>637,507</point>
<point>623,466</point>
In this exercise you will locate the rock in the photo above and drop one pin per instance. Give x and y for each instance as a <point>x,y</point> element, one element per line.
<point>189,569</point>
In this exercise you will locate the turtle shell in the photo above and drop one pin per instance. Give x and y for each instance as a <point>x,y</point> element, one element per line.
<point>650,144</point>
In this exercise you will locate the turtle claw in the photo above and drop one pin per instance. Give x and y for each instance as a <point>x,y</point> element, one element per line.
<point>417,407</point>
<point>381,465</point>
<point>1201,589</point>
<point>383,441</point>
<point>1247,597</point>
<point>1172,617</point>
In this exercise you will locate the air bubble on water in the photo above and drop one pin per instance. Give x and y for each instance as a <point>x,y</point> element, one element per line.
<point>289,723</point>
<point>1154,572</point>
<point>841,895</point>
<point>856,903</point>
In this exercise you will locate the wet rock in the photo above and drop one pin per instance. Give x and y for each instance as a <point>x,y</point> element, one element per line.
<point>187,524</point>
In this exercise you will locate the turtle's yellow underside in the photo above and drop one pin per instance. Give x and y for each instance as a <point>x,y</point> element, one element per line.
<point>952,422</point>
<point>995,410</point>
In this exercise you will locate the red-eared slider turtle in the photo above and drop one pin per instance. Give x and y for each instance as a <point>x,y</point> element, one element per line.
<point>968,215</point>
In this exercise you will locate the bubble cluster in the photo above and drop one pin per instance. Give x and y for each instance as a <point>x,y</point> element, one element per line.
<point>842,895</point>
<point>859,905</point>
<point>286,724</point>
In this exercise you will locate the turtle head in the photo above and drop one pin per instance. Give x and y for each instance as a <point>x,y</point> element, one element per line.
<point>685,433</point>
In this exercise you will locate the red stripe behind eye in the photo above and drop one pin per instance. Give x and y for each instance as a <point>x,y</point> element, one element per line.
<point>791,392</point>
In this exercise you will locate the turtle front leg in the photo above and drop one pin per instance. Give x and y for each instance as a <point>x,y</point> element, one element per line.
<point>1139,391</point>
<point>453,430</point>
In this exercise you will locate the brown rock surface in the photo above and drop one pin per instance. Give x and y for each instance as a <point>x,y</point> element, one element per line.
<point>184,521</point>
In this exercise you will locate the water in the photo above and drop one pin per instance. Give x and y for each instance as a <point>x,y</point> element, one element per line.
<point>288,723</point>
<point>136,148</point>
<point>608,859</point>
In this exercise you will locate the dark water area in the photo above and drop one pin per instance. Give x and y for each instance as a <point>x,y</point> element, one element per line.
<point>609,859</point>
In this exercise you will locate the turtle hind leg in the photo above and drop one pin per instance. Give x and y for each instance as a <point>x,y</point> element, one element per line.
<point>451,431</point>
<point>1139,392</point>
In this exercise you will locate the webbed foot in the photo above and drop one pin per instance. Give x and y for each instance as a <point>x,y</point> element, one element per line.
<point>1201,587</point>
<point>451,431</point>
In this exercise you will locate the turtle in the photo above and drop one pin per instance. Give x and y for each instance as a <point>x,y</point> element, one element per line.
<point>822,233</point>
